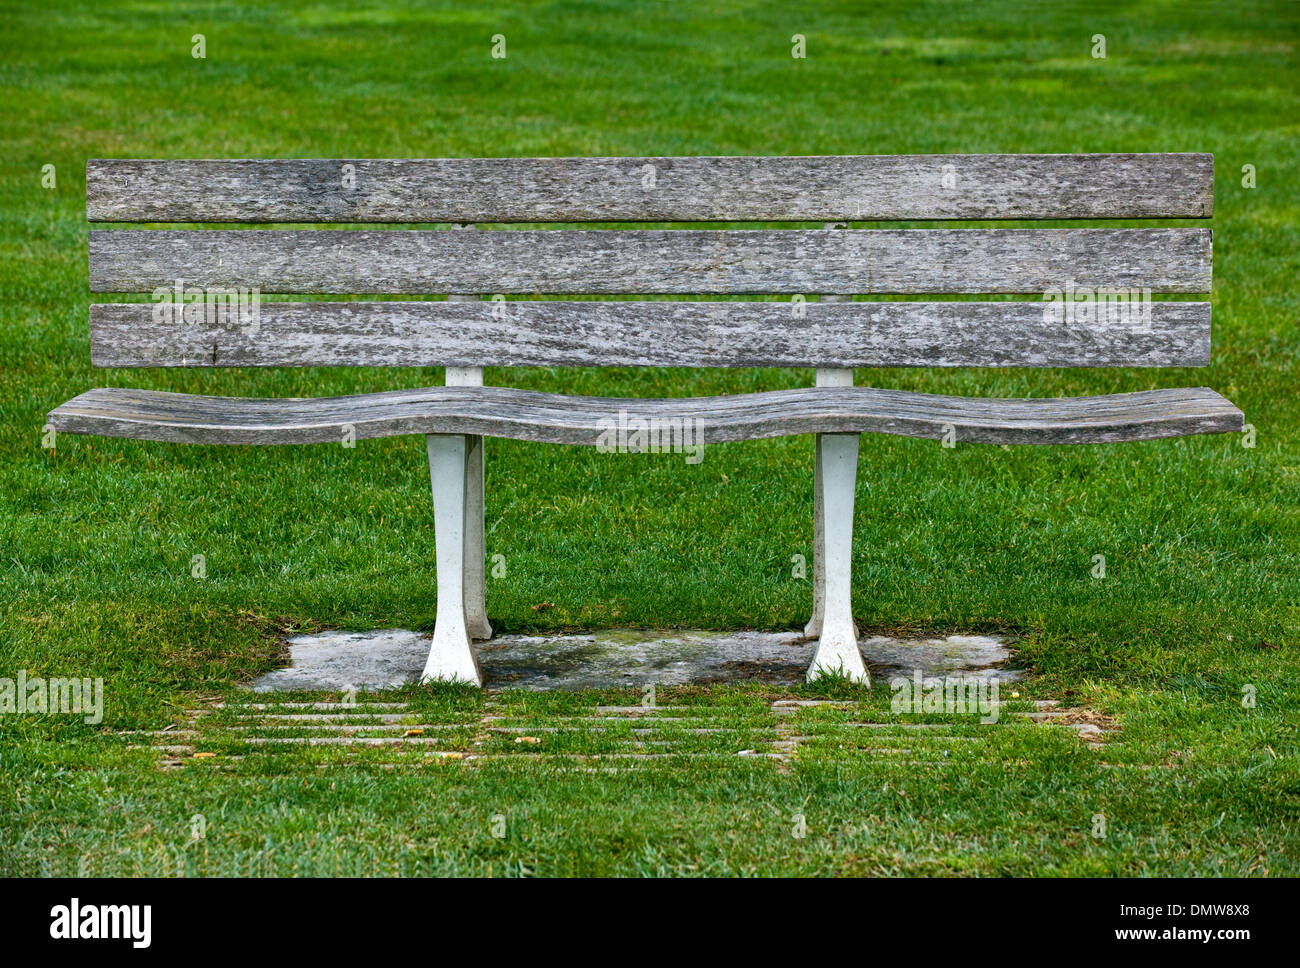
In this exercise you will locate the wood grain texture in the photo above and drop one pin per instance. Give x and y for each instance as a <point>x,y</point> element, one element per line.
<point>552,418</point>
<point>653,261</point>
<point>836,188</point>
<point>695,334</point>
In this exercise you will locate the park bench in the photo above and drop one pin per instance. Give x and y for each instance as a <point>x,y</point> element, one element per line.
<point>1094,310</point>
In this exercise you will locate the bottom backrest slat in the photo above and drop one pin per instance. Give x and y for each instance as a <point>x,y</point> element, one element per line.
<point>1122,328</point>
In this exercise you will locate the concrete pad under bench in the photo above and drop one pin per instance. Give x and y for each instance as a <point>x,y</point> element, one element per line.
<point>390,658</point>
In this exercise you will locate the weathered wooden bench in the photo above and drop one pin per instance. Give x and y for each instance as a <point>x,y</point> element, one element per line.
<point>1094,312</point>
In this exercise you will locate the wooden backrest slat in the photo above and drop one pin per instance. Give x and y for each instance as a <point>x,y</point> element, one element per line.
<point>698,334</point>
<point>1108,269</point>
<point>733,189</point>
<point>654,261</point>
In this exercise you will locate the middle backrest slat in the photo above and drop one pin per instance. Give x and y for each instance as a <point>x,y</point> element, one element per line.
<point>713,262</point>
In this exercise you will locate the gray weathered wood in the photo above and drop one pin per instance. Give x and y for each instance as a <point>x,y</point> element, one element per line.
<point>654,189</point>
<point>697,334</point>
<point>653,261</point>
<point>552,418</point>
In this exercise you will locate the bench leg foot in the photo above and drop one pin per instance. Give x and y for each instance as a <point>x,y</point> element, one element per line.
<point>451,659</point>
<point>837,647</point>
<point>814,627</point>
<point>475,544</point>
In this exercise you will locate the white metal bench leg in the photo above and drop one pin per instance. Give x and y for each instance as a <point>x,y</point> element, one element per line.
<point>837,648</point>
<point>826,377</point>
<point>451,658</point>
<point>814,626</point>
<point>475,534</point>
<point>475,592</point>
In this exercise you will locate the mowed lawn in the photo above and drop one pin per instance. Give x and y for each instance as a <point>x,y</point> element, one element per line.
<point>1199,607</point>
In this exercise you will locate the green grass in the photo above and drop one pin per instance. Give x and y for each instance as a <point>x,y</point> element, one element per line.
<point>1201,536</point>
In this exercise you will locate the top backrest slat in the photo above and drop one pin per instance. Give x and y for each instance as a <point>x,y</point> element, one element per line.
<point>730,189</point>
